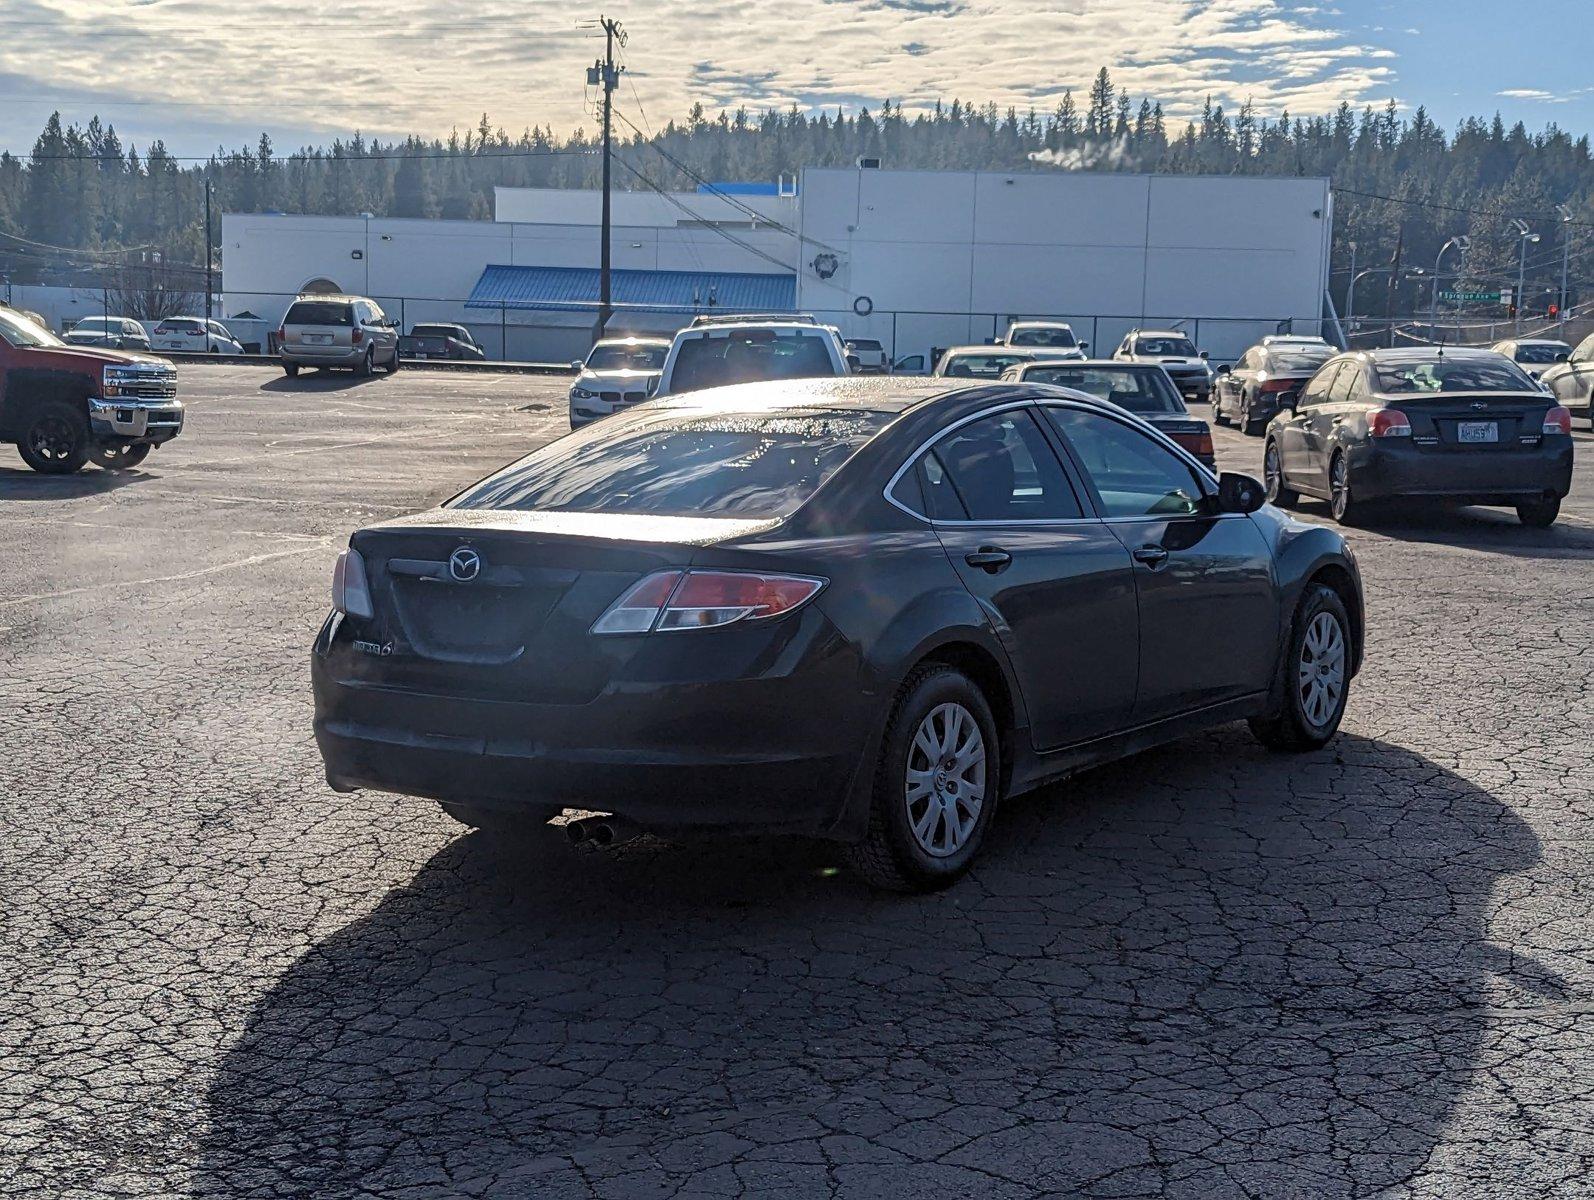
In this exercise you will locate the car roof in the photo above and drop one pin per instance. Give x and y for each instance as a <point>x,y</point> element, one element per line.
<point>344,297</point>
<point>1420,354</point>
<point>1116,364</point>
<point>1040,325</point>
<point>992,348</point>
<point>1534,342</point>
<point>890,393</point>
<point>1159,333</point>
<point>632,340</point>
<point>732,326</point>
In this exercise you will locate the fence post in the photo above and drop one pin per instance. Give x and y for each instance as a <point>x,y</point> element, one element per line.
<point>893,338</point>
<point>503,334</point>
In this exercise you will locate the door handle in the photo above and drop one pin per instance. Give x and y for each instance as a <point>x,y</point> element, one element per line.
<point>1339,420</point>
<point>1152,556</point>
<point>989,559</point>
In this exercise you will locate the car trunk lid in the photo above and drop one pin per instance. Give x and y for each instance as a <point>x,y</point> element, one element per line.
<point>498,604</point>
<point>1474,422</point>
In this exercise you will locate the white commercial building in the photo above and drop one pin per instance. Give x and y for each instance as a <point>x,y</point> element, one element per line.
<point>917,259</point>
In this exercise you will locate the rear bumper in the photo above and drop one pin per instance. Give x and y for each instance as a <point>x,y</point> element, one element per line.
<point>1503,476</point>
<point>324,356</point>
<point>669,746</point>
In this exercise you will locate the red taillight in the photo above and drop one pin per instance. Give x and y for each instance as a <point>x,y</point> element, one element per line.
<point>1558,420</point>
<point>282,336</point>
<point>675,600</point>
<point>1388,422</point>
<point>357,336</point>
<point>1277,385</point>
<point>1199,444</point>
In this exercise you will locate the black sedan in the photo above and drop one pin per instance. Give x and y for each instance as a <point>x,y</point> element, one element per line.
<point>1141,388</point>
<point>1264,379</point>
<point>1458,424</point>
<point>862,610</point>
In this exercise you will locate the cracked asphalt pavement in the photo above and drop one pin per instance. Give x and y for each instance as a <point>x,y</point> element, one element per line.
<point>1203,972</point>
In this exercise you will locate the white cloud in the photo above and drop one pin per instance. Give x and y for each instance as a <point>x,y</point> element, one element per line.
<point>1533,94</point>
<point>179,65</point>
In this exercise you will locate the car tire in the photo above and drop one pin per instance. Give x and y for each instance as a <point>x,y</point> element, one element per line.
<point>119,458</point>
<point>1218,415</point>
<point>940,750</point>
<point>55,439</point>
<point>1311,707</point>
<point>1539,514</point>
<point>367,365</point>
<point>1249,425</point>
<point>393,365</point>
<point>215,349</point>
<point>1278,493</point>
<point>291,370</point>
<point>1342,502</point>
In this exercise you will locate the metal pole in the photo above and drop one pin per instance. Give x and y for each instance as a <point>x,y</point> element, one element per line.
<point>605,305</point>
<point>1351,291</point>
<point>1566,257</point>
<point>1522,274</point>
<point>209,286</point>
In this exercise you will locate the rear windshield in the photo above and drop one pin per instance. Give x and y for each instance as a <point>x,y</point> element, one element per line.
<point>1541,353</point>
<point>1043,337</point>
<point>1142,391</point>
<point>181,324</point>
<point>1299,361</point>
<point>627,358</point>
<point>982,366</point>
<point>748,356</point>
<point>757,465</point>
<point>1453,375</point>
<point>1165,347</point>
<point>864,344</point>
<point>319,312</point>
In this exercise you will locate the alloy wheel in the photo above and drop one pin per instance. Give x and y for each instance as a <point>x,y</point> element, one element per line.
<point>1272,473</point>
<point>1339,487</point>
<point>946,779</point>
<point>1320,673</point>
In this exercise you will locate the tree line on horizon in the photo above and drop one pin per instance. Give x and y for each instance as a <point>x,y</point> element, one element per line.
<point>82,202</point>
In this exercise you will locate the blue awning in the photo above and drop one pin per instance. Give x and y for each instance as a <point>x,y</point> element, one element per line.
<point>575,289</point>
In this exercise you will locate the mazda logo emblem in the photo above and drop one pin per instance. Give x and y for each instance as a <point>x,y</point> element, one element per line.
<point>464,564</point>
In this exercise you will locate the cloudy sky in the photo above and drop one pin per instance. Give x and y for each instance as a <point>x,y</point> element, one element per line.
<point>203,74</point>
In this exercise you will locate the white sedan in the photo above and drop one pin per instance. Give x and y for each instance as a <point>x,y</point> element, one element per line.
<point>194,335</point>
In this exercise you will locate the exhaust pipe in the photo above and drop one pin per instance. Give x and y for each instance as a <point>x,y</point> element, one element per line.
<point>601,831</point>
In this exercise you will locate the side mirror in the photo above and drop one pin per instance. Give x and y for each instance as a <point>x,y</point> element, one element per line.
<point>576,364</point>
<point>1240,493</point>
<point>1563,357</point>
<point>1084,346</point>
<point>854,363</point>
<point>1223,369</point>
<point>1202,353</point>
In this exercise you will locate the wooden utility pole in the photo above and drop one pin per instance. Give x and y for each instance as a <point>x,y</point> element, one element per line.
<point>608,77</point>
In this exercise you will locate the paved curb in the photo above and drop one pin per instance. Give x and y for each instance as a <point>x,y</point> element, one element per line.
<point>409,364</point>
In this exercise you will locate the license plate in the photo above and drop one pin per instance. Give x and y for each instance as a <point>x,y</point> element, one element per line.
<point>1478,431</point>
<point>318,339</point>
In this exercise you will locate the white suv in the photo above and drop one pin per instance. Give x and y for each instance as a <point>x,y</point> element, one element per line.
<point>1172,350</point>
<point>714,355</point>
<point>195,335</point>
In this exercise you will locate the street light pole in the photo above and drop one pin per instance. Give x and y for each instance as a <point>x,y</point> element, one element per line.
<point>209,286</point>
<point>1524,238</point>
<point>1461,242</point>
<point>1566,258</point>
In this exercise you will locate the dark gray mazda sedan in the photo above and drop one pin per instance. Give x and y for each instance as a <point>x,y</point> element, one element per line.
<point>859,610</point>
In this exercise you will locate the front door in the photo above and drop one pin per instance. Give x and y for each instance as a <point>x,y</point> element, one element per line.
<point>1055,583</point>
<point>1207,597</point>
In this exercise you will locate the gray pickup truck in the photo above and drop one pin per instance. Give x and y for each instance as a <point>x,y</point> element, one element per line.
<point>440,341</point>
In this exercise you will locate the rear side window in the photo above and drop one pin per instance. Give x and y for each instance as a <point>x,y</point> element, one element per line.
<point>319,312</point>
<point>748,356</point>
<point>999,468</point>
<point>758,465</point>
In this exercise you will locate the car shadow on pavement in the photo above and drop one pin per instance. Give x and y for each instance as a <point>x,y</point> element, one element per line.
<point>27,484</point>
<point>1205,971</point>
<point>320,381</point>
<point>1494,530</point>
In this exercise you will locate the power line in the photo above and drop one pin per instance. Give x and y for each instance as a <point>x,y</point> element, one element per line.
<point>696,217</point>
<point>1455,208</point>
<point>324,157</point>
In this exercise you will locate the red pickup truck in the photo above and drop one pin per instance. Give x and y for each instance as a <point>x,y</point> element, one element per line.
<point>64,406</point>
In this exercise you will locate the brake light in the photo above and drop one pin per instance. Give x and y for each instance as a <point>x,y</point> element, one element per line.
<point>1277,385</point>
<point>282,336</point>
<point>1558,420</point>
<point>1388,422</point>
<point>1199,444</point>
<point>350,593</point>
<point>357,336</point>
<point>676,600</point>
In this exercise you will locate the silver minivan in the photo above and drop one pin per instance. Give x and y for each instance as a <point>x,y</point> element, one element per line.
<point>350,332</point>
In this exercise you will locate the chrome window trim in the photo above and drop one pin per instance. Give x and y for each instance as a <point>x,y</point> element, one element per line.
<point>1093,405</point>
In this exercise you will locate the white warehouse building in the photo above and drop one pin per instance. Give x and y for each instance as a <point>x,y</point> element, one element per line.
<point>916,259</point>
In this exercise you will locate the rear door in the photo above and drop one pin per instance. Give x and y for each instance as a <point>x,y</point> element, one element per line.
<point>1054,581</point>
<point>1208,604</point>
<point>1301,468</point>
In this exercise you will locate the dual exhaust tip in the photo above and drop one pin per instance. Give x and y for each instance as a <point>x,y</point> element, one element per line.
<point>600,831</point>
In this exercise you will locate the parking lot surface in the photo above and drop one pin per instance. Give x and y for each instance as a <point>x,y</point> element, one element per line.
<point>1206,971</point>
